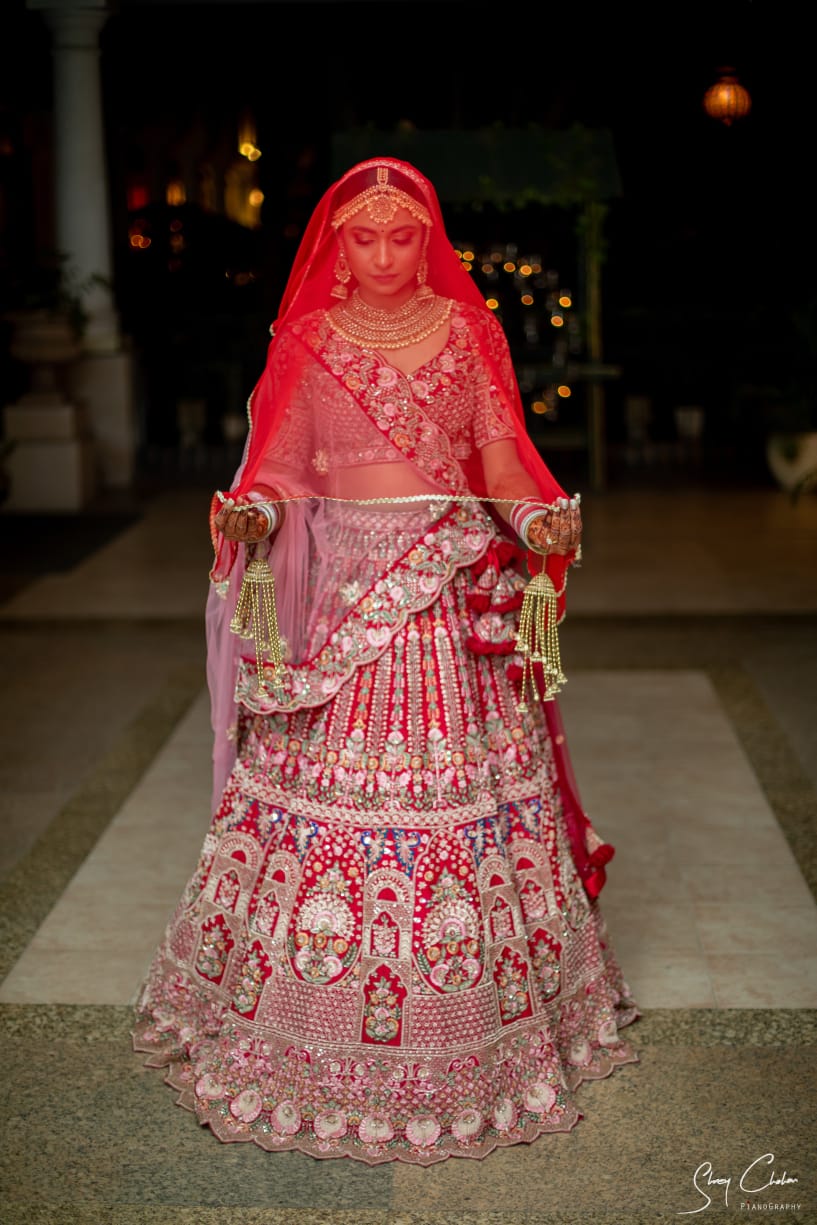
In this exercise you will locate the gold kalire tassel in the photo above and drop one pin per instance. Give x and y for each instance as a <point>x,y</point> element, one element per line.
<point>256,618</point>
<point>537,639</point>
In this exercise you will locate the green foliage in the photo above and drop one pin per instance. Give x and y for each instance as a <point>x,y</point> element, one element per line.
<point>55,286</point>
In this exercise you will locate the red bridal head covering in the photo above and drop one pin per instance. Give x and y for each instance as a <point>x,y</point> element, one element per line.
<point>312,277</point>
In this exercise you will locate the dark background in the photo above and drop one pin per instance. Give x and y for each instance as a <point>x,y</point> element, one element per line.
<point>709,241</point>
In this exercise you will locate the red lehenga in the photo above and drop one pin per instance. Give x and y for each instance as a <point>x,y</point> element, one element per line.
<point>391,948</point>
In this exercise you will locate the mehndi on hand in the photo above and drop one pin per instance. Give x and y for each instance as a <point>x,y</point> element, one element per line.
<point>245,521</point>
<point>558,529</point>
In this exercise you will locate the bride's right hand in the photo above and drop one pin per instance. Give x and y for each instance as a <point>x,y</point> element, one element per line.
<point>242,521</point>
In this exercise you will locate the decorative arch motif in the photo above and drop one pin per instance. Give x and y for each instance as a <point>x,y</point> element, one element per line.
<point>384,996</point>
<point>385,881</point>
<point>216,942</point>
<point>253,972</point>
<point>266,914</point>
<point>384,936</point>
<point>501,925</point>
<point>533,875</point>
<point>545,956</point>
<point>272,895</point>
<point>493,873</point>
<point>511,982</point>
<point>228,891</point>
<point>243,848</point>
<point>282,868</point>
<point>387,914</point>
<point>533,901</point>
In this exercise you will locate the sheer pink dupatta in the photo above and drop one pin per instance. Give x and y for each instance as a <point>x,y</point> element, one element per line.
<point>288,559</point>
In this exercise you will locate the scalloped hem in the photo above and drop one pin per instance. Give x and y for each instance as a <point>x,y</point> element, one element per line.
<point>425,1152</point>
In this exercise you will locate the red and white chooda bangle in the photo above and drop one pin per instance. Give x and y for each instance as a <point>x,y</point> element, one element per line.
<point>523,515</point>
<point>268,509</point>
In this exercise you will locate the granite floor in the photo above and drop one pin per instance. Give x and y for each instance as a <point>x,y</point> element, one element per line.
<point>691,652</point>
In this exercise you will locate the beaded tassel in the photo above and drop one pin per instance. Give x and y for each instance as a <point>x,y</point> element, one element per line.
<point>537,639</point>
<point>256,618</point>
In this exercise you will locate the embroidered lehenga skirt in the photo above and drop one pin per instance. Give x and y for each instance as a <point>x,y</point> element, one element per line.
<point>385,951</point>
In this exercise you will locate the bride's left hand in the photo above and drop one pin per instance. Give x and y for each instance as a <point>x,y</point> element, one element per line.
<point>558,530</point>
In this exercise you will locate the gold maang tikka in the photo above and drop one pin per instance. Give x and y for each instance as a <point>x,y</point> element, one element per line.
<point>381,201</point>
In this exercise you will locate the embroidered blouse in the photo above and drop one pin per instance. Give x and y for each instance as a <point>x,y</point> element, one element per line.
<point>452,391</point>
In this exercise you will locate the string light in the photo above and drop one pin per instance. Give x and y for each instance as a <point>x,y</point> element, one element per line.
<point>532,284</point>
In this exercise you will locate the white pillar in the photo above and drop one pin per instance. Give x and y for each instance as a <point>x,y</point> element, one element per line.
<point>82,221</point>
<point>101,380</point>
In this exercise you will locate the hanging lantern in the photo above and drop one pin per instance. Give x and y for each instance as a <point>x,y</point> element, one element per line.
<point>727,100</point>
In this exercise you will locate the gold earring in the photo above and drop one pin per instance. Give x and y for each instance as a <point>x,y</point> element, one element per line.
<point>423,290</point>
<point>342,274</point>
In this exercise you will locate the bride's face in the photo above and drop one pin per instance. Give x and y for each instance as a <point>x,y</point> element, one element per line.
<point>384,257</point>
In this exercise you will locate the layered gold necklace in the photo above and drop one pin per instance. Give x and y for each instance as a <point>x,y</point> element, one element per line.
<point>372,328</point>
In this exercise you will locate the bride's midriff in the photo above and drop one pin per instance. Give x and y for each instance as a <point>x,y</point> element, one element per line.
<point>397,480</point>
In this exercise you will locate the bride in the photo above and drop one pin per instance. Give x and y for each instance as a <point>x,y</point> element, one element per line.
<point>392,947</point>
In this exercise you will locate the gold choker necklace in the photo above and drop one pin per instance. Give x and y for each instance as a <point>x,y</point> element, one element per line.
<point>372,328</point>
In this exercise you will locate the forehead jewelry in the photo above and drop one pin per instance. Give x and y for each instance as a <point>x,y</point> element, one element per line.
<point>381,201</point>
